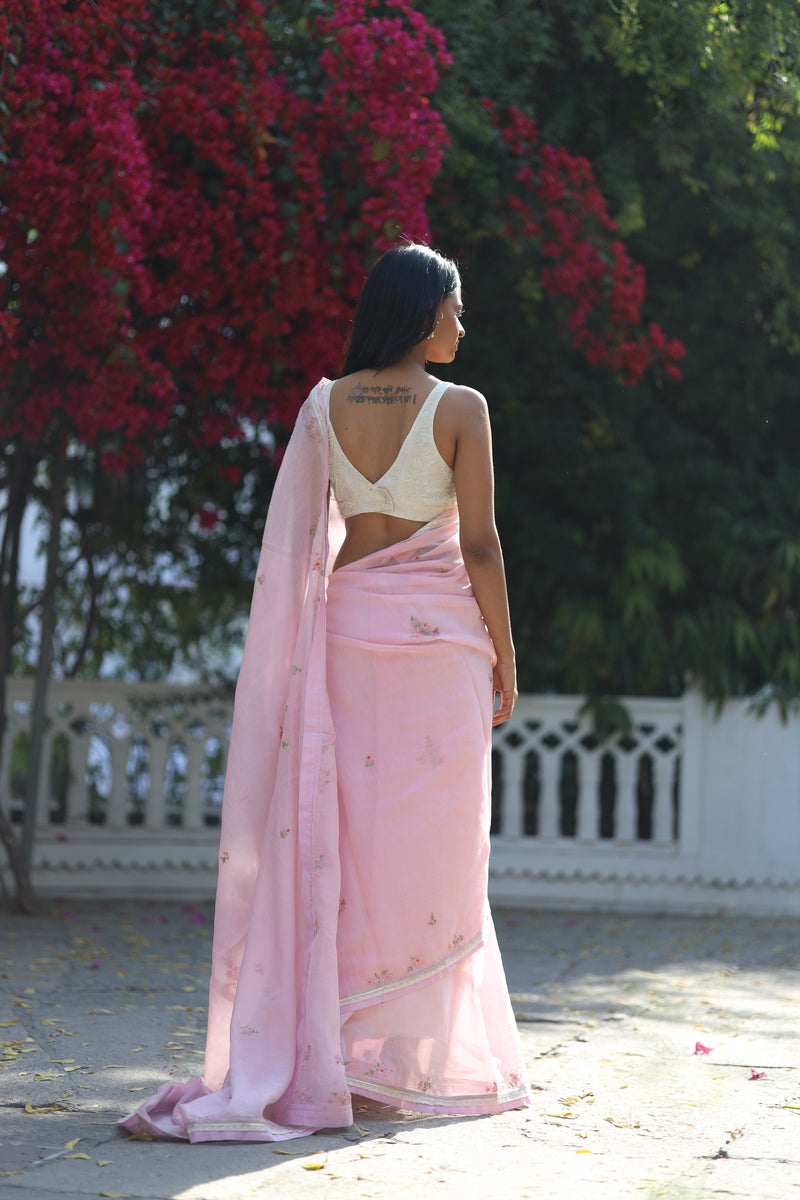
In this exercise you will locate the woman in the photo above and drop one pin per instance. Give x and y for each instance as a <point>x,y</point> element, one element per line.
<point>353,947</point>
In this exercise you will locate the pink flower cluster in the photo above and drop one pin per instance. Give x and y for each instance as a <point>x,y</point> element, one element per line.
<point>187,221</point>
<point>557,202</point>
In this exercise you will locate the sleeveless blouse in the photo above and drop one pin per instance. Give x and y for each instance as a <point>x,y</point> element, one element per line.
<point>418,485</point>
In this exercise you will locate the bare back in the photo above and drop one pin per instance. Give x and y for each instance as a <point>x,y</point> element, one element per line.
<point>372,414</point>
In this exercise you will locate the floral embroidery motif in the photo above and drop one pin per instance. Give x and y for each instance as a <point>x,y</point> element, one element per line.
<point>304,1096</point>
<point>325,776</point>
<point>380,977</point>
<point>378,1069</point>
<point>432,920</point>
<point>307,1053</point>
<point>248,1030</point>
<point>285,832</point>
<point>369,761</point>
<point>284,743</point>
<point>259,968</point>
<point>416,961</point>
<point>224,857</point>
<point>295,669</point>
<point>261,578</point>
<point>456,942</point>
<point>429,754</point>
<point>492,1087</point>
<point>317,563</point>
<point>342,904</point>
<point>515,1079</point>
<point>424,1085</point>
<point>311,425</point>
<point>321,863</point>
<point>338,1097</point>
<point>422,628</point>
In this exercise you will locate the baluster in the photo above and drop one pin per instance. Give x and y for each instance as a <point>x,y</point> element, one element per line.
<point>588,815</point>
<point>193,801</point>
<point>78,790</point>
<point>663,768</point>
<point>512,815</point>
<point>118,799</point>
<point>156,811</point>
<point>625,815</point>
<point>550,761</point>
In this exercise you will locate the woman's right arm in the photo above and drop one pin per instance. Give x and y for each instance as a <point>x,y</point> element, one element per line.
<point>467,422</point>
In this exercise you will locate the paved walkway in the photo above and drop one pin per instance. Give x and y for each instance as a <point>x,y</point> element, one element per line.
<point>101,1003</point>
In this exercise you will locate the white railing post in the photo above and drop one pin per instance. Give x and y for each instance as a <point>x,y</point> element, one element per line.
<point>587,817</point>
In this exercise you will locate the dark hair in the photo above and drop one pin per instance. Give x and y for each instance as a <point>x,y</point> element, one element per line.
<point>398,305</point>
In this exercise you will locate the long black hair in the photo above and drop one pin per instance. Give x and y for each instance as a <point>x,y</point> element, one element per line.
<point>398,305</point>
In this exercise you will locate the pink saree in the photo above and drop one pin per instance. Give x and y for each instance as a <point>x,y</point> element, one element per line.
<point>354,950</point>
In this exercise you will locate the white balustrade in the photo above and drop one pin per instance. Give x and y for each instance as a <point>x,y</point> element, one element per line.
<point>689,809</point>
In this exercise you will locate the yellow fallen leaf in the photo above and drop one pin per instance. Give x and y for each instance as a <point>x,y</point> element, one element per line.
<point>44,1076</point>
<point>313,1166</point>
<point>4,1024</point>
<point>281,1152</point>
<point>104,1162</point>
<point>115,1195</point>
<point>76,1068</point>
<point>52,1020</point>
<point>583,1152</point>
<point>51,1108</point>
<point>140,1137</point>
<point>96,1012</point>
<point>79,1154</point>
<point>137,1089</point>
<point>71,1145</point>
<point>61,1061</point>
<point>113,1067</point>
<point>29,991</point>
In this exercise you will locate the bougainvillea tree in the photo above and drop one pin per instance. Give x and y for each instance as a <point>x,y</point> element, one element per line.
<point>184,227</point>
<point>189,198</point>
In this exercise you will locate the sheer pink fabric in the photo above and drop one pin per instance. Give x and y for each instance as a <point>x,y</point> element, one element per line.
<point>353,946</point>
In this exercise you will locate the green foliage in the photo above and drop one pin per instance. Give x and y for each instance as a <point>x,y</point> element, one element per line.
<point>650,533</point>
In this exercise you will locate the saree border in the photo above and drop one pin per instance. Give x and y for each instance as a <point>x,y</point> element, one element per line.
<point>416,1101</point>
<point>361,999</point>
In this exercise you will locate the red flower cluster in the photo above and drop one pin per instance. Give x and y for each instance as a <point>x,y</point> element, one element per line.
<point>186,220</point>
<point>557,202</point>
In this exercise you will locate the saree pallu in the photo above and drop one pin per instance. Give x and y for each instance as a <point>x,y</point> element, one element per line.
<point>353,948</point>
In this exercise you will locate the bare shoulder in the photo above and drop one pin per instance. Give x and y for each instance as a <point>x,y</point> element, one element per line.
<point>466,398</point>
<point>463,408</point>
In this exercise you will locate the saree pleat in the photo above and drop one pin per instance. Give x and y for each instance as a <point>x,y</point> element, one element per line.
<point>353,946</point>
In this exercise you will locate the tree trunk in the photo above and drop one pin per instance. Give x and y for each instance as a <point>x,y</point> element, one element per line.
<point>18,487</point>
<point>41,686</point>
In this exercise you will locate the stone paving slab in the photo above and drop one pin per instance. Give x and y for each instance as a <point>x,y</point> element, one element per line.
<point>100,1003</point>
